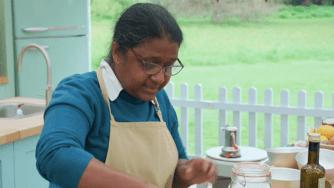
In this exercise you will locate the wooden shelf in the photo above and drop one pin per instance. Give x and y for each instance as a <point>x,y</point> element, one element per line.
<point>3,80</point>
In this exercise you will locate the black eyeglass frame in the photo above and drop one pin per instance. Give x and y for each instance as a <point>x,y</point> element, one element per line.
<point>161,67</point>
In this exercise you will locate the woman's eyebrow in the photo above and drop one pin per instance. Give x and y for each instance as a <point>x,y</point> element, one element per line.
<point>157,59</point>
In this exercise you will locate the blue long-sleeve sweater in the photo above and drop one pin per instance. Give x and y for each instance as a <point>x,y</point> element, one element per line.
<point>77,125</point>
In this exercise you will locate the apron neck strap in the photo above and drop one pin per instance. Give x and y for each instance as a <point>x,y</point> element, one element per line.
<point>157,109</point>
<point>104,90</point>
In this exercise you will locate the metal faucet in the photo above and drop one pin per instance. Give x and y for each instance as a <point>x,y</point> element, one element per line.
<point>49,87</point>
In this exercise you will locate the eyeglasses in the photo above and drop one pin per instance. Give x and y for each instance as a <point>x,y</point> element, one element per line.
<point>153,68</point>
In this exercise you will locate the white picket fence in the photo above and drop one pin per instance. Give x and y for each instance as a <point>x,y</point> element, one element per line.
<point>252,107</point>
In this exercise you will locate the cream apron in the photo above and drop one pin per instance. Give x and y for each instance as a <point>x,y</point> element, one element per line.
<point>144,149</point>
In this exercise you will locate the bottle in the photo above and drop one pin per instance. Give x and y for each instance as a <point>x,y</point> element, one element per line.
<point>312,175</point>
<point>19,112</point>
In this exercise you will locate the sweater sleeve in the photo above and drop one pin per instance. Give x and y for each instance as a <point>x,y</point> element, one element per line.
<point>60,154</point>
<point>176,136</point>
<point>173,124</point>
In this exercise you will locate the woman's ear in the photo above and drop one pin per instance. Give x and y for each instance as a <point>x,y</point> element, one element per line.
<point>115,53</point>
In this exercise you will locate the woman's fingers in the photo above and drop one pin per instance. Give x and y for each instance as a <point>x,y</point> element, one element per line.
<point>213,170</point>
<point>212,173</point>
<point>185,172</point>
<point>205,166</point>
<point>189,173</point>
<point>198,171</point>
<point>209,172</point>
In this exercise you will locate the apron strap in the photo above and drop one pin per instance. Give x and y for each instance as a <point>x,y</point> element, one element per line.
<point>104,91</point>
<point>106,98</point>
<point>156,106</point>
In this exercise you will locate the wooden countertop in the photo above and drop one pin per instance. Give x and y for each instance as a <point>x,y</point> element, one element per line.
<point>15,129</point>
<point>3,80</point>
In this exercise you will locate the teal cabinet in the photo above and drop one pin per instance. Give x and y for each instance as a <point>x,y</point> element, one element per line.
<point>26,174</point>
<point>72,14</point>
<point>68,56</point>
<point>7,166</point>
<point>67,37</point>
<point>18,165</point>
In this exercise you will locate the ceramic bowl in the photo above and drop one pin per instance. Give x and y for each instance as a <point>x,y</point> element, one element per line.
<point>326,159</point>
<point>285,177</point>
<point>284,156</point>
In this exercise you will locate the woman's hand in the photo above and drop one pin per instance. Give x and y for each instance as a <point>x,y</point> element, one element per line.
<point>196,171</point>
<point>148,185</point>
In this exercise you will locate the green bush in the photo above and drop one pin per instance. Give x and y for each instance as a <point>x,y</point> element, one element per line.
<point>313,14</point>
<point>233,21</point>
<point>230,12</point>
<point>300,8</point>
<point>109,9</point>
<point>327,13</point>
<point>106,9</point>
<point>306,2</point>
<point>284,15</point>
<point>301,12</point>
<point>297,2</point>
<point>328,2</point>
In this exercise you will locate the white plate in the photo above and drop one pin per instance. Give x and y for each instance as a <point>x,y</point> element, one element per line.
<point>248,154</point>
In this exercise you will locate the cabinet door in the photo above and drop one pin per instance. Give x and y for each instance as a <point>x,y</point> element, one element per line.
<point>68,56</point>
<point>26,174</point>
<point>44,13</point>
<point>6,166</point>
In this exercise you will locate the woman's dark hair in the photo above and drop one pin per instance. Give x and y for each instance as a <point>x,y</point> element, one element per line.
<point>143,21</point>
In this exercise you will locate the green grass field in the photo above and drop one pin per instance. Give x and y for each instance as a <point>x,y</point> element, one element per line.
<point>293,54</point>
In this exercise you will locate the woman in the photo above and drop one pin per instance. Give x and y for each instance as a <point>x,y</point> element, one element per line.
<point>116,127</point>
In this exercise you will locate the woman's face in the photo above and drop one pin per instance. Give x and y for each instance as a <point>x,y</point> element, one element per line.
<point>129,71</point>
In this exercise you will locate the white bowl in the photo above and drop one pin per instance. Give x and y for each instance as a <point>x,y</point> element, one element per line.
<point>285,177</point>
<point>326,159</point>
<point>284,156</point>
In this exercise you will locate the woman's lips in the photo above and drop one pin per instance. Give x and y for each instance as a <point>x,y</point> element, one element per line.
<point>152,89</point>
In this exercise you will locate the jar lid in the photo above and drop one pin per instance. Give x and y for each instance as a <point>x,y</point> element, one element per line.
<point>251,169</point>
<point>314,137</point>
<point>231,128</point>
<point>328,121</point>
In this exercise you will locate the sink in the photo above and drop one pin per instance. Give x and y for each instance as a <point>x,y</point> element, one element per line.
<point>8,110</point>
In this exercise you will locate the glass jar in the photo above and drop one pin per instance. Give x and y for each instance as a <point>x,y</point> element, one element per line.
<point>251,175</point>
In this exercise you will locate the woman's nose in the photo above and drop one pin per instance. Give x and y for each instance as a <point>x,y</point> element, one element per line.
<point>159,77</point>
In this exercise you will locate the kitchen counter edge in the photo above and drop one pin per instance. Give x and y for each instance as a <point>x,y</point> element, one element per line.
<point>12,130</point>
